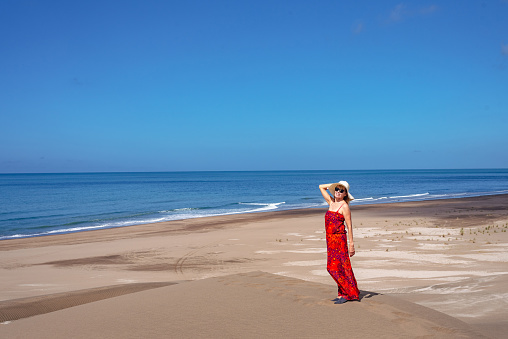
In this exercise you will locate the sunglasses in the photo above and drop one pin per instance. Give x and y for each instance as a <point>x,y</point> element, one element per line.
<point>341,190</point>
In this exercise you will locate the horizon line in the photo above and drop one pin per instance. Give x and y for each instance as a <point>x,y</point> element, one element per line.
<point>286,170</point>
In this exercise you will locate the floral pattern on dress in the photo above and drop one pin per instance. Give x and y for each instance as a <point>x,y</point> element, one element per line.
<point>338,263</point>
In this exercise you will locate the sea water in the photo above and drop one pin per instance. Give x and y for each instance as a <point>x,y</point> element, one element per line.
<point>43,204</point>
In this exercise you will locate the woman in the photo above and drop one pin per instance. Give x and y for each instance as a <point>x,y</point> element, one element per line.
<point>339,243</point>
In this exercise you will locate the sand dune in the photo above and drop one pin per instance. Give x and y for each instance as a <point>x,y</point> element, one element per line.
<point>249,305</point>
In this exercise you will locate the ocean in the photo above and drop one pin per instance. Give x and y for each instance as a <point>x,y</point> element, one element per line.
<point>42,204</point>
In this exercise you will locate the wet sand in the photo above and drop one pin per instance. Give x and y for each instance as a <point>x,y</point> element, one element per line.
<point>434,268</point>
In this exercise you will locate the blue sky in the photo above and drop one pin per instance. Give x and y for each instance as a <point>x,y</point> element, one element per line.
<point>252,85</point>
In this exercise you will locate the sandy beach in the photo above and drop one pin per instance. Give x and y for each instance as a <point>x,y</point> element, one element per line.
<point>430,268</point>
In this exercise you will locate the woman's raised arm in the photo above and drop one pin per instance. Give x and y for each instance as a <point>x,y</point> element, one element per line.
<point>323,189</point>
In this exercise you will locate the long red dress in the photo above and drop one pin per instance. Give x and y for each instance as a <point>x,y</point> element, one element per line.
<point>338,263</point>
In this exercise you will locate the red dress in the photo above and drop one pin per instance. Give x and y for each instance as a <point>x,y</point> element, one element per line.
<point>338,263</point>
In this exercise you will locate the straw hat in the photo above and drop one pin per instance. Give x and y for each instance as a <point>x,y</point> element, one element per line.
<point>340,183</point>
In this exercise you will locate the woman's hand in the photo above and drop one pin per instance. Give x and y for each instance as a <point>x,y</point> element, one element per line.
<point>351,249</point>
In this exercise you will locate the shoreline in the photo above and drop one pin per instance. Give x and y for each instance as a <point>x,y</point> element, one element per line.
<point>283,212</point>
<point>439,254</point>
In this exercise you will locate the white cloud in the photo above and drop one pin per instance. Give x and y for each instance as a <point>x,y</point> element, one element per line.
<point>504,49</point>
<point>397,13</point>
<point>428,10</point>
<point>401,12</point>
<point>358,27</point>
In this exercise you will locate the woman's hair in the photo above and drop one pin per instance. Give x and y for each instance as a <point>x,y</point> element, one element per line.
<point>346,198</point>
